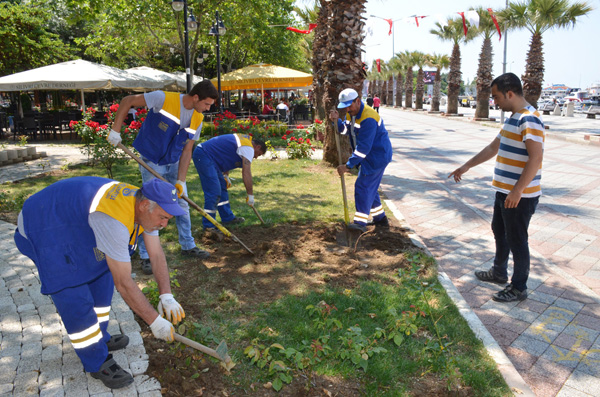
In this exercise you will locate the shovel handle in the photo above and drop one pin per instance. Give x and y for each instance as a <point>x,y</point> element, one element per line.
<point>257,214</point>
<point>339,150</point>
<point>184,197</point>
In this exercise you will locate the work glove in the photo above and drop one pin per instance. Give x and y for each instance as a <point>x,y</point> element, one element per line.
<point>162,329</point>
<point>168,307</point>
<point>227,181</point>
<point>250,200</point>
<point>114,138</point>
<point>181,188</point>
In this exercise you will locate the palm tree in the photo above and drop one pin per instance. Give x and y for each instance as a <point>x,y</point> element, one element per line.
<point>487,29</point>
<point>398,66</point>
<point>453,32</point>
<point>341,65</point>
<point>439,62</point>
<point>420,61</point>
<point>319,46</point>
<point>408,88</point>
<point>538,16</point>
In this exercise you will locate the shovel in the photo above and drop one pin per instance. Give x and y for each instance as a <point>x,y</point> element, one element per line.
<point>346,215</point>
<point>220,354</point>
<point>184,197</point>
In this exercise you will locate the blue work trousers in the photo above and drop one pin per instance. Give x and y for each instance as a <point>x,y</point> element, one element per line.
<point>366,197</point>
<point>84,312</point>
<point>183,222</point>
<point>216,197</point>
<point>510,232</point>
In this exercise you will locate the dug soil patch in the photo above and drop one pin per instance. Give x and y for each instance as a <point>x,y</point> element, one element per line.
<point>289,259</point>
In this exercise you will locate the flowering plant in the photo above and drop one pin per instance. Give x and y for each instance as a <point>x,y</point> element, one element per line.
<point>93,134</point>
<point>316,131</point>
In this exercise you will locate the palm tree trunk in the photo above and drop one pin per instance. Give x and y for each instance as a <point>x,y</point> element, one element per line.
<point>399,82</point>
<point>319,45</point>
<point>390,92</point>
<point>409,88</point>
<point>534,71</point>
<point>484,80</point>
<point>454,78</point>
<point>437,89</point>
<point>383,97</point>
<point>342,66</point>
<point>419,93</point>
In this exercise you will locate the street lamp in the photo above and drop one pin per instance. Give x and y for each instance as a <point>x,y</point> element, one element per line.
<point>218,30</point>
<point>201,57</point>
<point>190,24</point>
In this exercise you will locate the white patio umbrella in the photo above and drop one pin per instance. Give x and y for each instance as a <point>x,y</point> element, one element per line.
<point>182,80</point>
<point>77,75</point>
<point>170,81</point>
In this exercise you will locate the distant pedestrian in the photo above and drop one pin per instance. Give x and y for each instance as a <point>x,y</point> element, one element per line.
<point>370,101</point>
<point>519,148</point>
<point>376,103</point>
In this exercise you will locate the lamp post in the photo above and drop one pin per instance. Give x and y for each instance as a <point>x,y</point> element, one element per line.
<point>201,57</point>
<point>218,30</point>
<point>189,24</point>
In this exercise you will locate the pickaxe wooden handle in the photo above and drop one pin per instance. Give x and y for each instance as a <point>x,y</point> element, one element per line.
<point>184,197</point>
<point>257,214</point>
<point>220,354</point>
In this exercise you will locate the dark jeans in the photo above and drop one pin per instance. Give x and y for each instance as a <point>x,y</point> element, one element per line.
<point>510,232</point>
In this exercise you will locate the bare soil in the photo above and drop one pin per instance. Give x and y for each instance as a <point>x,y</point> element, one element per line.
<point>288,259</point>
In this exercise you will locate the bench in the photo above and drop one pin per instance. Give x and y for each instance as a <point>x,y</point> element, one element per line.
<point>547,108</point>
<point>592,112</point>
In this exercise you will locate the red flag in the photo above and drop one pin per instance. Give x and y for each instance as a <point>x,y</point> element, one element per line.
<point>462,14</point>
<point>495,23</point>
<point>390,22</point>
<point>311,26</point>
<point>378,62</point>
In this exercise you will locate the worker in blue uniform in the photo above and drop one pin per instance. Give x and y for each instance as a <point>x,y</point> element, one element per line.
<point>372,152</point>
<point>213,160</point>
<point>165,142</point>
<point>80,233</point>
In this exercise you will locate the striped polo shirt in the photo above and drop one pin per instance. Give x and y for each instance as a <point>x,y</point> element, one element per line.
<point>512,155</point>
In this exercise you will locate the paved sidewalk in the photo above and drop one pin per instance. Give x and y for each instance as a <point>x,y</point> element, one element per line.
<point>552,338</point>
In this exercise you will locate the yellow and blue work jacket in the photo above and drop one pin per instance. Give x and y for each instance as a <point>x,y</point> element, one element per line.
<point>59,239</point>
<point>372,149</point>
<point>222,150</point>
<point>161,138</point>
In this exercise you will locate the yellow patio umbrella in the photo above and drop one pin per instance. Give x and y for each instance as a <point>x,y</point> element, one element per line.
<point>264,76</point>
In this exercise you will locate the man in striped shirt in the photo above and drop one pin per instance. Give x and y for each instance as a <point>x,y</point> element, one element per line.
<point>519,148</point>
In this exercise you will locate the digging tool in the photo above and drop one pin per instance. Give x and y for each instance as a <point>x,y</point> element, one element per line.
<point>184,197</point>
<point>220,354</point>
<point>257,214</point>
<point>339,150</point>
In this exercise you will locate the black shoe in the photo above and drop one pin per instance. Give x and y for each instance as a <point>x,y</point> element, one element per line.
<point>146,266</point>
<point>112,375</point>
<point>357,227</point>
<point>383,223</point>
<point>117,342</point>
<point>510,294</point>
<point>489,276</point>
<point>195,252</point>
<point>235,221</point>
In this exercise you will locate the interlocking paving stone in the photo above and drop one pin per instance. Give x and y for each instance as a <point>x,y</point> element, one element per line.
<point>590,362</point>
<point>542,297</point>
<point>567,391</point>
<point>522,314</point>
<point>588,321</point>
<point>530,345</point>
<point>564,357</point>
<point>583,382</point>
<point>568,304</point>
<point>571,342</point>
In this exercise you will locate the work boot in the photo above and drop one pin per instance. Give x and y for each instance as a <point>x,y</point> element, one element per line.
<point>383,223</point>
<point>146,266</point>
<point>510,294</point>
<point>112,375</point>
<point>490,276</point>
<point>117,342</point>
<point>357,227</point>
<point>235,221</point>
<point>195,252</point>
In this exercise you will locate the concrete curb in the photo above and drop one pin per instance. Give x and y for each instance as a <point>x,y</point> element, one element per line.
<point>510,374</point>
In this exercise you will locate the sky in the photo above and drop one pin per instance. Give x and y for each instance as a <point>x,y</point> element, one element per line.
<point>572,55</point>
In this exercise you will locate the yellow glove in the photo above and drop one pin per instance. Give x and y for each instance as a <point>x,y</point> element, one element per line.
<point>227,181</point>
<point>181,190</point>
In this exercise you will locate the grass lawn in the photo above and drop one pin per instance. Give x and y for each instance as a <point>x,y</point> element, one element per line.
<point>303,316</point>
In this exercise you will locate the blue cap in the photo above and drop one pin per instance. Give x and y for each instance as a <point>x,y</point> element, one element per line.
<point>164,194</point>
